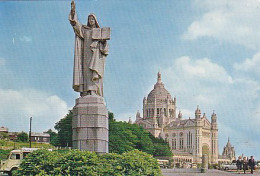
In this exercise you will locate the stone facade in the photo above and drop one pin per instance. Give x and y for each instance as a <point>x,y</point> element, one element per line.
<point>90,124</point>
<point>190,137</point>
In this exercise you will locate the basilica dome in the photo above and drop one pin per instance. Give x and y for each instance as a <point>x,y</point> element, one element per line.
<point>159,92</point>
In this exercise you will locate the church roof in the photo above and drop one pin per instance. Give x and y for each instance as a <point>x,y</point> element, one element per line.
<point>228,144</point>
<point>197,111</point>
<point>179,122</point>
<point>159,91</point>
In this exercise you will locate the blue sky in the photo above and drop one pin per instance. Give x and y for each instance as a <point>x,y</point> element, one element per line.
<point>208,53</point>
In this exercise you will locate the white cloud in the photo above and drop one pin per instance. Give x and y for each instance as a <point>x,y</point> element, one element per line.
<point>233,21</point>
<point>250,65</point>
<point>195,82</point>
<point>25,38</point>
<point>201,69</point>
<point>18,106</point>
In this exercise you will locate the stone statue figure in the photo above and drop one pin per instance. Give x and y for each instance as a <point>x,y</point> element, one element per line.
<point>91,49</point>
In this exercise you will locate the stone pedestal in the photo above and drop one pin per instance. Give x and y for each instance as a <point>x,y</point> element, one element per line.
<point>204,167</point>
<point>90,124</point>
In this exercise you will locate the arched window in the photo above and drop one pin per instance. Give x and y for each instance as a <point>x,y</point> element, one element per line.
<point>181,134</point>
<point>174,144</point>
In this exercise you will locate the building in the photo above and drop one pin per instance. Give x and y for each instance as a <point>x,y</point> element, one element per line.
<point>13,135</point>
<point>3,130</point>
<point>229,152</point>
<point>40,137</point>
<point>188,138</point>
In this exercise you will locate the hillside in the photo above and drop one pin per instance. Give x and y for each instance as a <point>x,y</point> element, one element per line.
<point>6,146</point>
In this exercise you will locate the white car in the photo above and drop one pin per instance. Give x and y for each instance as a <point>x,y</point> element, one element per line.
<point>232,166</point>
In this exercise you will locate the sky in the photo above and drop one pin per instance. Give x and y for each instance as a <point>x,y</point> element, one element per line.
<point>208,53</point>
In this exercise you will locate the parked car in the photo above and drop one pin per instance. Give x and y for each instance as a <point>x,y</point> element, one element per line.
<point>193,165</point>
<point>163,163</point>
<point>231,166</point>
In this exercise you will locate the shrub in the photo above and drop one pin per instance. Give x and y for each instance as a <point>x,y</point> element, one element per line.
<point>75,162</point>
<point>136,162</point>
<point>39,161</point>
<point>4,154</point>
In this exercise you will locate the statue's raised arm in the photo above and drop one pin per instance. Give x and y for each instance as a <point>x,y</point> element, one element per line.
<point>73,17</point>
<point>74,21</point>
<point>73,7</point>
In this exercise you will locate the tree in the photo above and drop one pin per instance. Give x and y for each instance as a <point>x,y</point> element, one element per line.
<point>161,148</point>
<point>124,137</point>
<point>64,128</point>
<point>53,137</point>
<point>4,135</point>
<point>23,137</point>
<point>121,139</point>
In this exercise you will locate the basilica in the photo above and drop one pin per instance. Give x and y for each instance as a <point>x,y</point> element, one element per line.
<point>188,138</point>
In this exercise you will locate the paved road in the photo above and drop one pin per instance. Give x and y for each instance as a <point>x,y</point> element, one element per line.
<point>212,172</point>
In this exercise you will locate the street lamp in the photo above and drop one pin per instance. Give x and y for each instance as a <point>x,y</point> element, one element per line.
<point>30,132</point>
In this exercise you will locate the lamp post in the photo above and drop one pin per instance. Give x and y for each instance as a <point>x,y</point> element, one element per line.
<point>30,132</point>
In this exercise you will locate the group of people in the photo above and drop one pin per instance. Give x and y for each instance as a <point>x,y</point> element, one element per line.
<point>245,164</point>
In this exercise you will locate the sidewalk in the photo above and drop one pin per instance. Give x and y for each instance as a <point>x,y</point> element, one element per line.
<point>211,172</point>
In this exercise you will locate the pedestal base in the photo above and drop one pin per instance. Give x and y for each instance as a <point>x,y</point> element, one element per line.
<point>90,124</point>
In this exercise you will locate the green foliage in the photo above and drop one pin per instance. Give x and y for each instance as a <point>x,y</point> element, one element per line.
<point>23,137</point>
<point>111,116</point>
<point>53,137</point>
<point>9,145</point>
<point>126,137</point>
<point>121,138</point>
<point>75,162</point>
<point>199,165</point>
<point>39,161</point>
<point>213,166</point>
<point>64,128</point>
<point>4,135</point>
<point>139,163</point>
<point>4,154</point>
<point>161,148</point>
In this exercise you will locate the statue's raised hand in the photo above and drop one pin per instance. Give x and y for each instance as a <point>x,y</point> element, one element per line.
<point>73,7</point>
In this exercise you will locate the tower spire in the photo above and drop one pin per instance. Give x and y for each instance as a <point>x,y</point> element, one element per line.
<point>197,112</point>
<point>159,77</point>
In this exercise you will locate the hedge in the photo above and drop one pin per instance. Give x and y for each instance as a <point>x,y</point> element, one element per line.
<point>81,163</point>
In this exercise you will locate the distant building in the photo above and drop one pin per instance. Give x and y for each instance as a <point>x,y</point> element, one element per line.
<point>229,151</point>
<point>40,137</point>
<point>3,130</point>
<point>12,135</point>
<point>188,138</point>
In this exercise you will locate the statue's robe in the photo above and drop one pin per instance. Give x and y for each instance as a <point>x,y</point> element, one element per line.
<point>89,60</point>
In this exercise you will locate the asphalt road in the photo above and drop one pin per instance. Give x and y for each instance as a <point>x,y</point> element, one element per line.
<point>211,172</point>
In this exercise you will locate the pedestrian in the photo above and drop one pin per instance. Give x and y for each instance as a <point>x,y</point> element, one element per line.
<point>251,164</point>
<point>239,164</point>
<point>245,164</point>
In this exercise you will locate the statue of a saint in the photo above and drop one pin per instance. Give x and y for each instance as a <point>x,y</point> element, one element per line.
<point>91,49</point>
